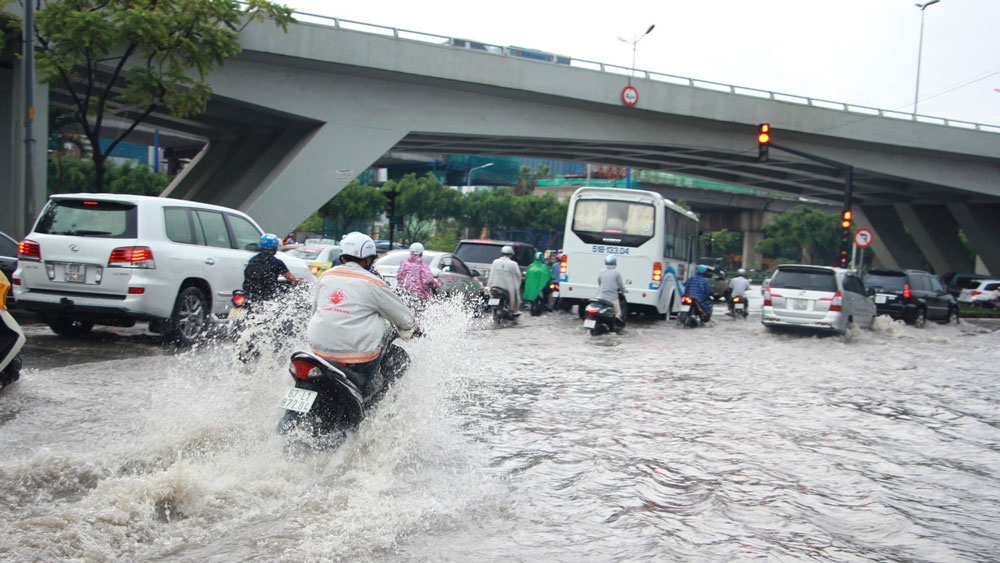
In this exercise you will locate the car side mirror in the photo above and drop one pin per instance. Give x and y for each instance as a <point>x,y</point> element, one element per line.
<point>476,273</point>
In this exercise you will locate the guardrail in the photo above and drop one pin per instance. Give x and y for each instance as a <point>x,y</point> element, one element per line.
<point>507,51</point>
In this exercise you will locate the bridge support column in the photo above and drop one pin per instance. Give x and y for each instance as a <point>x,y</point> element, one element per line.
<point>892,245</point>
<point>752,260</point>
<point>981,223</point>
<point>936,233</point>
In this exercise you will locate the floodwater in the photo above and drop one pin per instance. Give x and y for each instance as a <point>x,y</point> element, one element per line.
<point>531,443</point>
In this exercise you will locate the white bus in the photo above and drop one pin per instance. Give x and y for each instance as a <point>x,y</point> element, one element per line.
<point>654,240</point>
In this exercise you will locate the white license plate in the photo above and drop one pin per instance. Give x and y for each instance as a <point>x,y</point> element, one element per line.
<point>589,323</point>
<point>555,294</point>
<point>494,302</point>
<point>237,313</point>
<point>880,299</point>
<point>298,400</point>
<point>75,273</point>
<point>798,304</point>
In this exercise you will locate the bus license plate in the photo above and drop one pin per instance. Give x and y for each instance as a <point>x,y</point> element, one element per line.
<point>75,273</point>
<point>298,400</point>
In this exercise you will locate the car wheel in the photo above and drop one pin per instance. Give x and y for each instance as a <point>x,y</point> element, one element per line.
<point>190,318</point>
<point>920,319</point>
<point>952,317</point>
<point>70,327</point>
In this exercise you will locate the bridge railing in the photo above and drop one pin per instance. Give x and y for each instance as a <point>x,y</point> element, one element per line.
<point>551,58</point>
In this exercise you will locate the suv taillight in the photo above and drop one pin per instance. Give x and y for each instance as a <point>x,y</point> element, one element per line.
<point>132,257</point>
<point>29,250</point>
<point>836,302</point>
<point>906,291</point>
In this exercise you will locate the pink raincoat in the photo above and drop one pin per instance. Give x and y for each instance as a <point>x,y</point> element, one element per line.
<point>414,276</point>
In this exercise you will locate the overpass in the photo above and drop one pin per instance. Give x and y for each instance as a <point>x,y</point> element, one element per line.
<point>296,116</point>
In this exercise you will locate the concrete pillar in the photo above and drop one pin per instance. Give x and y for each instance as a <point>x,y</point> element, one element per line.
<point>752,260</point>
<point>892,245</point>
<point>981,223</point>
<point>935,231</point>
<point>9,169</point>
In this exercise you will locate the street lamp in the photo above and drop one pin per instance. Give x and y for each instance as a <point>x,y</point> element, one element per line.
<point>920,50</point>
<point>468,175</point>
<point>635,41</point>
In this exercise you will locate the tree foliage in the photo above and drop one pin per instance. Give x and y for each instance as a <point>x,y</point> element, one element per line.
<point>72,175</point>
<point>356,203</point>
<point>127,58</point>
<point>803,233</point>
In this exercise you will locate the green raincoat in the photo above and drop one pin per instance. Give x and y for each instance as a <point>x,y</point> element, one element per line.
<point>536,278</point>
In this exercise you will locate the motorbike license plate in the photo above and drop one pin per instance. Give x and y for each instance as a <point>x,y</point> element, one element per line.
<point>75,273</point>
<point>589,323</point>
<point>555,294</point>
<point>237,313</point>
<point>494,302</point>
<point>298,400</point>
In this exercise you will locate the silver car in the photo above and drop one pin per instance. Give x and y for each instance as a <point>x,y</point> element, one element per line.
<point>455,276</point>
<point>817,298</point>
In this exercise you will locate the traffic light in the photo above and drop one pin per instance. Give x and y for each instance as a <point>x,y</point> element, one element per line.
<point>845,219</point>
<point>845,236</point>
<point>763,141</point>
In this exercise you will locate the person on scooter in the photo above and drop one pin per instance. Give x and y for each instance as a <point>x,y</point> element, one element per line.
<point>700,289</point>
<point>260,277</point>
<point>352,309</point>
<point>536,282</point>
<point>738,287</point>
<point>506,274</point>
<point>610,284</point>
<point>416,277</point>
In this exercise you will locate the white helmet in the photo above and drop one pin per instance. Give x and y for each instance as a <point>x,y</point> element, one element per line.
<point>741,271</point>
<point>358,245</point>
<point>416,248</point>
<point>507,250</point>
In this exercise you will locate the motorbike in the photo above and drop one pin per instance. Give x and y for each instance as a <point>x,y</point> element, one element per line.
<point>738,306</point>
<point>599,316</point>
<point>499,305</point>
<point>11,340</point>
<point>328,398</point>
<point>692,315</point>
<point>541,303</point>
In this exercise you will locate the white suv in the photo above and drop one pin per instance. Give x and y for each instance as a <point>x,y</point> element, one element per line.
<point>818,298</point>
<point>113,259</point>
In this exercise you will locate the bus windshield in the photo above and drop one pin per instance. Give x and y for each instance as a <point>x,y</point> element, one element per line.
<point>605,221</point>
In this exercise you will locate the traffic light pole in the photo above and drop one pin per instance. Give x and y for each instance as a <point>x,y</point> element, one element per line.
<point>846,214</point>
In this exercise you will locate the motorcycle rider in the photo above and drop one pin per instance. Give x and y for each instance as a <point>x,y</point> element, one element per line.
<point>738,287</point>
<point>536,281</point>
<point>506,274</point>
<point>416,277</point>
<point>352,309</point>
<point>260,277</point>
<point>610,284</point>
<point>700,289</point>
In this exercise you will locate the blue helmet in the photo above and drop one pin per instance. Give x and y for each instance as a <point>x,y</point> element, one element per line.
<point>610,260</point>
<point>269,241</point>
<point>702,268</point>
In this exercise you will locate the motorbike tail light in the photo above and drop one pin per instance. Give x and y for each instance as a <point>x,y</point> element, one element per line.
<point>562,265</point>
<point>29,250</point>
<point>906,291</point>
<point>592,311</point>
<point>495,293</point>
<point>239,299</point>
<point>657,271</point>
<point>314,270</point>
<point>687,300</point>
<point>737,299</point>
<point>132,257</point>
<point>303,369</point>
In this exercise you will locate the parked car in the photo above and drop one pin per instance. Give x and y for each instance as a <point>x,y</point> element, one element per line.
<point>817,298</point>
<point>8,260</point>
<point>955,282</point>
<point>382,246</point>
<point>985,294</point>
<point>114,259</point>
<point>479,254</point>
<point>913,296</point>
<point>319,257</point>
<point>456,277</point>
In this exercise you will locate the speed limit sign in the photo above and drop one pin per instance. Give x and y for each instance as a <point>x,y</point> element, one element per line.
<point>863,238</point>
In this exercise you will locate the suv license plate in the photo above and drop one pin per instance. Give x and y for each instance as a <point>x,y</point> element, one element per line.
<point>298,400</point>
<point>880,299</point>
<point>75,273</point>
<point>798,304</point>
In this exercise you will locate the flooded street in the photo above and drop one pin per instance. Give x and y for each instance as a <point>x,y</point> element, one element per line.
<point>530,443</point>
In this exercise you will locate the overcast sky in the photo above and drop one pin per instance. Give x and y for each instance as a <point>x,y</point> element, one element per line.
<point>861,52</point>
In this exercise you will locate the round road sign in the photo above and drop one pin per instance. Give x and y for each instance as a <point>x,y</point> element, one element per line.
<point>863,238</point>
<point>630,96</point>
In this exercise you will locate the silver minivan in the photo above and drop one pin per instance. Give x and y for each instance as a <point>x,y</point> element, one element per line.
<point>818,298</point>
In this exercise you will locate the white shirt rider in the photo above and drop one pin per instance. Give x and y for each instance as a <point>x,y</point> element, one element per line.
<point>506,274</point>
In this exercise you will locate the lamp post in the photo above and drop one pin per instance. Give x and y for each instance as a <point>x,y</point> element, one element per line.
<point>468,175</point>
<point>635,41</point>
<point>920,50</point>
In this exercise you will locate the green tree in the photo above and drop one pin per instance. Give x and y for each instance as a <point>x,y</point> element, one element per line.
<point>527,179</point>
<point>73,175</point>
<point>421,201</point>
<point>722,243</point>
<point>356,203</point>
<point>127,59</point>
<point>803,231</point>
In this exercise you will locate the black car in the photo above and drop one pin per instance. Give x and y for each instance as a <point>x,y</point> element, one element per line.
<point>8,258</point>
<point>914,296</point>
